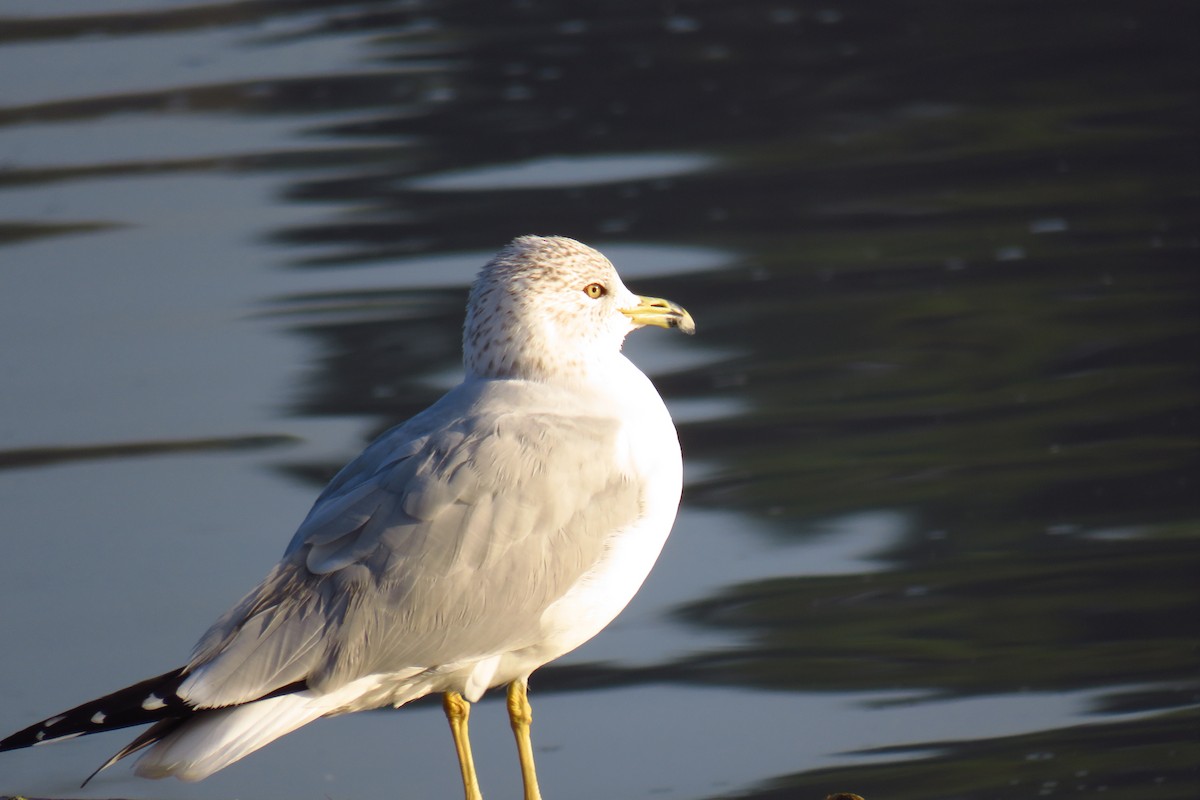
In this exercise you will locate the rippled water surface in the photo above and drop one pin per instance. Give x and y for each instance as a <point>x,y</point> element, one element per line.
<point>940,531</point>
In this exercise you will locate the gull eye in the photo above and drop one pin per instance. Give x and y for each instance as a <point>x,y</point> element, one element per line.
<point>595,290</point>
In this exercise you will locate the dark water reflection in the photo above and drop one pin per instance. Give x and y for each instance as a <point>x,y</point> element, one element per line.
<point>956,282</point>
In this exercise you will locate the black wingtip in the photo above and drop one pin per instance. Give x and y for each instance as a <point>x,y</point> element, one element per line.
<point>153,700</point>
<point>150,700</point>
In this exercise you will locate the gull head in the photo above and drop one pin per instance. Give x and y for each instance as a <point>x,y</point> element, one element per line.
<point>548,306</point>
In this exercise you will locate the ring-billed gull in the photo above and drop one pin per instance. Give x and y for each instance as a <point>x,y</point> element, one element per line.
<point>500,528</point>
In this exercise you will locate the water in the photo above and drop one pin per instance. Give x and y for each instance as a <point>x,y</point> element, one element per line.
<point>940,529</point>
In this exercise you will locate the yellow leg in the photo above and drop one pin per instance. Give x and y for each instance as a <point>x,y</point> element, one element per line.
<point>520,715</point>
<point>457,710</point>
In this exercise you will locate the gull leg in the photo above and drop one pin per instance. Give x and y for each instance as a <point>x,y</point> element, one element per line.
<point>520,715</point>
<point>457,710</point>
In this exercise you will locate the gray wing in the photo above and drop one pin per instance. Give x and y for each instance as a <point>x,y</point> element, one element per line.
<point>443,542</point>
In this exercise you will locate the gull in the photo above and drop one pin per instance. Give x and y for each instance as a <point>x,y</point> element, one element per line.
<point>497,530</point>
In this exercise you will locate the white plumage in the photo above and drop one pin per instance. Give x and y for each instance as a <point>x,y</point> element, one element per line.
<point>497,530</point>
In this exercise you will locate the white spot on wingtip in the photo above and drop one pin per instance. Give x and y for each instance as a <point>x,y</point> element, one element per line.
<point>54,720</point>
<point>153,703</point>
<point>98,718</point>
<point>41,737</point>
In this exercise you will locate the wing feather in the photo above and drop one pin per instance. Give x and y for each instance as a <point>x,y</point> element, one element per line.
<point>444,542</point>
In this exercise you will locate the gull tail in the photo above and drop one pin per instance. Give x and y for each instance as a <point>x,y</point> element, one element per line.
<point>152,700</point>
<point>184,741</point>
<point>194,748</point>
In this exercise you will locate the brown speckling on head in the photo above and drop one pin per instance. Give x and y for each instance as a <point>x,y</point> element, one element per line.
<point>529,317</point>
